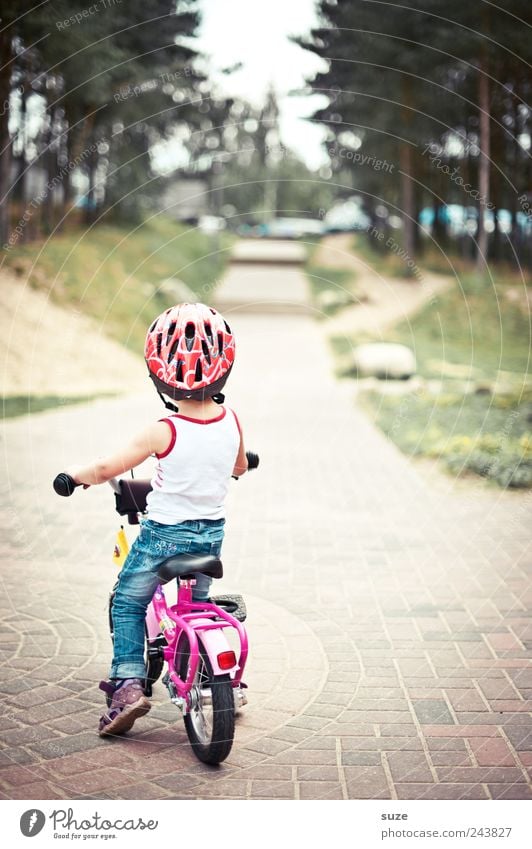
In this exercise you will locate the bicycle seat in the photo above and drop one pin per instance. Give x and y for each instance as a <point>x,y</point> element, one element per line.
<point>184,566</point>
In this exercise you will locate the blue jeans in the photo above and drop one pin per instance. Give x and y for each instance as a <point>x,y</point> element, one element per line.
<point>138,579</point>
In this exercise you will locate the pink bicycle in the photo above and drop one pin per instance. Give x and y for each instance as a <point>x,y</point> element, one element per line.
<point>203,645</point>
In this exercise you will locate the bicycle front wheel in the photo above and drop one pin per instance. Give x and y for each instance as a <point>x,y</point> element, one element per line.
<point>210,723</point>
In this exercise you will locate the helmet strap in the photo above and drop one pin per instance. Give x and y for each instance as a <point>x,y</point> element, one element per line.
<point>219,398</point>
<point>168,404</point>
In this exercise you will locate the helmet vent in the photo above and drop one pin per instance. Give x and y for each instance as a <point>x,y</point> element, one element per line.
<point>208,330</point>
<point>179,372</point>
<point>173,349</point>
<point>220,344</point>
<point>198,374</point>
<point>227,327</point>
<point>154,325</point>
<point>159,343</point>
<point>206,352</point>
<point>190,332</point>
<point>171,331</point>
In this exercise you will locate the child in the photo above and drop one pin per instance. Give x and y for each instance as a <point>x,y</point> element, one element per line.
<point>189,352</point>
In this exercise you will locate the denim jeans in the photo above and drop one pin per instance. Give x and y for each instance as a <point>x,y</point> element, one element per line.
<point>138,579</point>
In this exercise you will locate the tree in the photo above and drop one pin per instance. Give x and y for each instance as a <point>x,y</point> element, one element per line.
<point>421,76</point>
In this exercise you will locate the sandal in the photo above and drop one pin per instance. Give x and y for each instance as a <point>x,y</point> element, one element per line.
<point>126,701</point>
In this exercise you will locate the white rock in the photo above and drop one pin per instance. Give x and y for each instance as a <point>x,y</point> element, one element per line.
<point>384,359</point>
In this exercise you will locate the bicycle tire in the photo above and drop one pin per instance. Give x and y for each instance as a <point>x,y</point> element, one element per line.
<point>210,731</point>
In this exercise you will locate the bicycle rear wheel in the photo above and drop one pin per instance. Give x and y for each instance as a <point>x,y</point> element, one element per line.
<point>210,723</point>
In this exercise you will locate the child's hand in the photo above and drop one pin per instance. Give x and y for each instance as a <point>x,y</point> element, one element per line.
<point>74,474</point>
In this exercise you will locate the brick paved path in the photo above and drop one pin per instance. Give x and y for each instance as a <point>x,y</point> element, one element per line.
<point>390,617</point>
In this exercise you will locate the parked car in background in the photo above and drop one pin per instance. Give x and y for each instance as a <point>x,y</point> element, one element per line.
<point>211,223</point>
<point>346,217</point>
<point>292,228</point>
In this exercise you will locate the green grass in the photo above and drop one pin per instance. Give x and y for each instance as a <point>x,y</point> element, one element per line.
<point>488,435</point>
<point>386,259</point>
<point>22,405</point>
<point>474,325</point>
<point>331,289</point>
<point>111,272</point>
<point>379,256</point>
<point>473,347</point>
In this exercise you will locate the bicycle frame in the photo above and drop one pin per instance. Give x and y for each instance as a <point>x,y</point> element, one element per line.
<point>199,623</point>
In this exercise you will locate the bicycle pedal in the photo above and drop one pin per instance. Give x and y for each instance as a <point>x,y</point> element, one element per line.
<point>233,604</point>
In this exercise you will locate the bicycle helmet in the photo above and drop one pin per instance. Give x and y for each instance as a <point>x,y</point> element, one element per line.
<point>189,352</point>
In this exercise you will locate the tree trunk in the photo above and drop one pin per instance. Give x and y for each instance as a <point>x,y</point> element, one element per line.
<point>406,165</point>
<point>90,213</point>
<point>407,200</point>
<point>484,162</point>
<point>5,142</point>
<point>50,164</point>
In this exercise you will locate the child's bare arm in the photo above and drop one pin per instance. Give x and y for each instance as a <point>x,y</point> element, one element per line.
<point>153,440</point>
<point>241,463</point>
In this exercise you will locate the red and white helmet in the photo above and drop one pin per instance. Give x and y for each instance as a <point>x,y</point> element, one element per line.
<point>189,351</point>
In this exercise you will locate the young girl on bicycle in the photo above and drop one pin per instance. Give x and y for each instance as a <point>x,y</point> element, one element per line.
<point>189,352</point>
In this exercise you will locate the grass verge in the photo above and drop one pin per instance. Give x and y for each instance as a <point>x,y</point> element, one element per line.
<point>23,405</point>
<point>487,434</point>
<point>473,406</point>
<point>114,273</point>
<point>331,289</point>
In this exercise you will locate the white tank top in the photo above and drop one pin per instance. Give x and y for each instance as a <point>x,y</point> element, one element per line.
<point>192,476</point>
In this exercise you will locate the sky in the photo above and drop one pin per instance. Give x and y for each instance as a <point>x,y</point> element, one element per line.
<point>256,34</point>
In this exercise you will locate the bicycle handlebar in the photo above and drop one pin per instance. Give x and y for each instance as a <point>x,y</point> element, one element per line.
<point>65,485</point>
<point>253,460</point>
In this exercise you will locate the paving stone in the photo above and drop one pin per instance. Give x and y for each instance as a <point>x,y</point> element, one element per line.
<point>66,745</point>
<point>38,790</point>
<point>268,746</point>
<point>446,744</point>
<point>321,790</point>
<point>490,751</point>
<point>269,771</point>
<point>25,736</point>
<point>449,758</point>
<point>306,756</point>
<point>441,791</point>
<point>485,775</point>
<point>14,776</point>
<point>520,737</point>
<point>382,744</point>
<point>141,790</point>
<point>409,766</point>
<point>460,731</point>
<point>38,696</point>
<point>433,712</point>
<point>512,791</point>
<point>272,790</point>
<point>315,742</point>
<point>312,723</point>
<point>399,730</point>
<point>317,773</point>
<point>362,759</point>
<point>20,755</point>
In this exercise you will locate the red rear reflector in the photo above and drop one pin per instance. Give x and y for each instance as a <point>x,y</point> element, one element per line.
<point>226,660</point>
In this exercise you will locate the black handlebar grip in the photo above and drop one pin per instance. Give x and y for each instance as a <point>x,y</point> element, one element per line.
<point>253,460</point>
<point>64,484</point>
